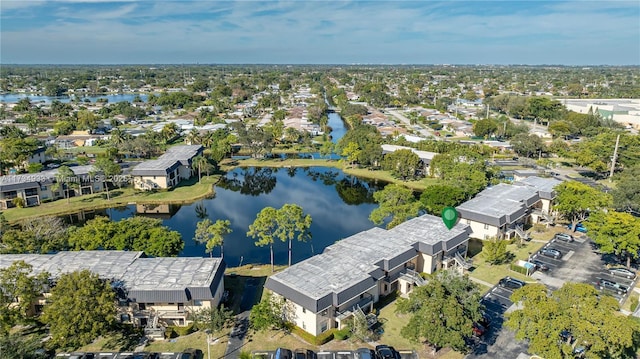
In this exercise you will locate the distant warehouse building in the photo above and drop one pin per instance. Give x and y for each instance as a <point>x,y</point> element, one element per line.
<point>152,291</point>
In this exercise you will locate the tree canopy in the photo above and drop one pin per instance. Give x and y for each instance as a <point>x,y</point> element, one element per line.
<point>212,234</point>
<point>81,308</point>
<point>286,223</point>
<point>17,281</point>
<point>575,200</point>
<point>135,234</point>
<point>396,203</point>
<point>443,311</point>
<point>435,198</point>
<point>615,232</point>
<point>577,312</point>
<point>402,164</point>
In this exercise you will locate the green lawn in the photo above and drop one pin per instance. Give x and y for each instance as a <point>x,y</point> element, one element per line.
<point>187,192</point>
<point>493,273</point>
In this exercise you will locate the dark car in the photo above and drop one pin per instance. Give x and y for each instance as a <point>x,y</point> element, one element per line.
<point>386,352</point>
<point>610,286</point>
<point>540,266</point>
<point>622,272</point>
<point>551,252</point>
<point>365,353</point>
<point>282,353</point>
<point>511,283</point>
<point>304,354</point>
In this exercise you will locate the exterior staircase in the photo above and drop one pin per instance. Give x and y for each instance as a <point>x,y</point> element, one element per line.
<point>521,233</point>
<point>462,262</point>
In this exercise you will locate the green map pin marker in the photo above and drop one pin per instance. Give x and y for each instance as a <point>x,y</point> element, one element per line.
<point>449,217</point>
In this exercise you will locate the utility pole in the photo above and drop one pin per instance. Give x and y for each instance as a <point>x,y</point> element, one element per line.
<point>487,111</point>
<point>614,158</point>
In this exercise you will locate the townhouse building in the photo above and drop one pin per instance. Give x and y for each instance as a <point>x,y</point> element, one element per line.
<point>167,170</point>
<point>152,292</point>
<point>502,211</point>
<point>33,188</point>
<point>324,291</point>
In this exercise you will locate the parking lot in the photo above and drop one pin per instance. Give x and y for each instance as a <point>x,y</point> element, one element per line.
<point>497,342</point>
<point>579,263</point>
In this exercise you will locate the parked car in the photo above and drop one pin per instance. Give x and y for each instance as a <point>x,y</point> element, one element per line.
<point>609,286</point>
<point>622,272</point>
<point>479,329</point>
<point>386,352</point>
<point>193,354</point>
<point>511,283</point>
<point>481,326</point>
<point>304,354</point>
<point>539,265</point>
<point>282,353</point>
<point>365,353</point>
<point>579,228</point>
<point>551,252</point>
<point>564,237</point>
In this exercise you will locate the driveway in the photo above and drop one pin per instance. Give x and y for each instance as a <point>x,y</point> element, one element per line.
<point>423,131</point>
<point>241,325</point>
<point>498,342</point>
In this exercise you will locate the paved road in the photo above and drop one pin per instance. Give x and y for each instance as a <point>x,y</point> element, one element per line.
<point>424,132</point>
<point>239,330</point>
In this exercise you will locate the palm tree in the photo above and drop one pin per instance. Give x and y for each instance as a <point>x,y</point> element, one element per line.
<point>65,179</point>
<point>193,137</point>
<point>200,161</point>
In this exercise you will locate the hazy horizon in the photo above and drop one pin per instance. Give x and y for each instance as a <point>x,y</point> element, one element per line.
<point>463,33</point>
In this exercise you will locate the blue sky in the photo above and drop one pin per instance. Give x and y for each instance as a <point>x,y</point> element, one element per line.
<point>320,32</point>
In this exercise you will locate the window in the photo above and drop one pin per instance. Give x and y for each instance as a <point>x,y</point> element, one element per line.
<point>43,188</point>
<point>361,295</point>
<point>304,310</point>
<point>486,226</point>
<point>304,326</point>
<point>468,221</point>
<point>385,287</point>
<point>323,327</point>
<point>142,306</point>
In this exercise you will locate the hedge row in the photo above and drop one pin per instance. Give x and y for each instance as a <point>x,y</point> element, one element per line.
<point>315,340</point>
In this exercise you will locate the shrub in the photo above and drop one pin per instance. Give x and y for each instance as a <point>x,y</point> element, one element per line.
<point>341,334</point>
<point>634,302</point>
<point>518,269</point>
<point>19,202</point>
<point>323,338</point>
<point>176,331</point>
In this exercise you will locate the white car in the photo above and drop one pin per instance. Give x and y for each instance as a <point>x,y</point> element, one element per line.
<point>564,237</point>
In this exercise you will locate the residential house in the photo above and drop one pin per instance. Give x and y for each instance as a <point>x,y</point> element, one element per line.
<point>168,170</point>
<point>502,211</point>
<point>151,291</point>
<point>425,156</point>
<point>349,276</point>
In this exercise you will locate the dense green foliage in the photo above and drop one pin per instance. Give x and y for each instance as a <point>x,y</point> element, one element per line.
<point>575,200</point>
<point>592,320</point>
<point>395,204</point>
<point>18,281</point>
<point>135,234</point>
<point>495,251</point>
<point>81,308</point>
<point>442,312</point>
<point>615,232</point>
<point>270,313</point>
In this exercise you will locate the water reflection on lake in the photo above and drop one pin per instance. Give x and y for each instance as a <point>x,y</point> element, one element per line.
<point>339,205</point>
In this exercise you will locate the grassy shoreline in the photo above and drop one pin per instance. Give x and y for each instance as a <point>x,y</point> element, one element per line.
<point>187,192</point>
<point>380,175</point>
<point>190,191</point>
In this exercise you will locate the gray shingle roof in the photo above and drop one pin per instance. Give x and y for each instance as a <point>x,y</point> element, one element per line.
<point>355,263</point>
<point>169,161</point>
<point>148,279</point>
<point>499,205</point>
<point>545,186</point>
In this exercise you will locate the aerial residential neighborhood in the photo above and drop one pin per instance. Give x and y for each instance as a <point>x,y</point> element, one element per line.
<point>319,180</point>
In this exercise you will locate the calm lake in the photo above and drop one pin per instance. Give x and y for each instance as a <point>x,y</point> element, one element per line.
<point>338,204</point>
